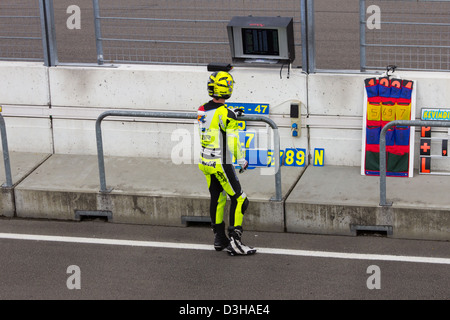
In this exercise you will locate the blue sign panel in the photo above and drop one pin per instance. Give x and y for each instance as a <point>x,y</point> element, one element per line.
<point>250,108</point>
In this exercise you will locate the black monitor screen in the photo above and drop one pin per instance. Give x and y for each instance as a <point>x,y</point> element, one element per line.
<point>260,41</point>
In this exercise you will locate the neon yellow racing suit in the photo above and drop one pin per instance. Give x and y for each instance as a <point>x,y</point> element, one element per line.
<point>219,136</point>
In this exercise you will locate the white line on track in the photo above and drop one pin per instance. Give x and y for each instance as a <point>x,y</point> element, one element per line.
<point>195,246</point>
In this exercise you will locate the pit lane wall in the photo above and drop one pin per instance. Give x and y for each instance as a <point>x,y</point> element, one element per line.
<point>53,110</point>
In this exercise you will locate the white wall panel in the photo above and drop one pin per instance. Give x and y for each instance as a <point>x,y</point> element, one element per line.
<point>23,83</point>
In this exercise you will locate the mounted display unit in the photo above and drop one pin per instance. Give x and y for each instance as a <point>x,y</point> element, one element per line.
<point>267,40</point>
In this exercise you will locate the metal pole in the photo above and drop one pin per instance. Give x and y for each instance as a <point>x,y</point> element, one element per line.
<point>98,32</point>
<point>362,35</point>
<point>6,161</point>
<point>383,164</point>
<point>383,148</point>
<point>311,37</point>
<point>44,33</point>
<point>100,156</point>
<point>48,32</point>
<point>51,33</point>
<point>304,35</point>
<point>179,115</point>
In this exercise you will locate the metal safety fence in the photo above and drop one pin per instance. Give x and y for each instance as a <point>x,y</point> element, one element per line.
<point>385,129</point>
<point>20,31</point>
<point>412,34</point>
<point>181,115</point>
<point>27,31</point>
<point>179,32</point>
<point>329,34</point>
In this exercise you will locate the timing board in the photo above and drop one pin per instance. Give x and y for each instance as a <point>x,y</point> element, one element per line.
<point>429,144</point>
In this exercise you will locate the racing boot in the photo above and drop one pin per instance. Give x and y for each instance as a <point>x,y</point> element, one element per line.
<point>236,247</point>
<point>220,238</point>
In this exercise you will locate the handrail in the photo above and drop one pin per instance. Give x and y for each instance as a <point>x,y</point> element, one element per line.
<point>425,123</point>
<point>180,115</point>
<point>6,161</point>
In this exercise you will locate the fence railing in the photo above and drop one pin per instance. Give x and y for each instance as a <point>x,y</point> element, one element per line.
<point>172,33</point>
<point>383,169</point>
<point>414,35</point>
<point>20,31</point>
<point>180,115</point>
<point>27,31</point>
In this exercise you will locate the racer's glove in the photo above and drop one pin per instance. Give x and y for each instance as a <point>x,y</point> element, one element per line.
<point>238,111</point>
<point>243,164</point>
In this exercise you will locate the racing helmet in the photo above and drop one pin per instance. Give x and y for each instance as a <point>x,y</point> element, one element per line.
<point>220,85</point>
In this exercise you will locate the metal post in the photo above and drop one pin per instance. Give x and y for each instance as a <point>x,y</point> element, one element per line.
<point>180,115</point>
<point>304,35</point>
<point>308,43</point>
<point>48,32</point>
<point>383,148</point>
<point>6,161</point>
<point>98,32</point>
<point>100,156</point>
<point>383,164</point>
<point>311,36</point>
<point>307,34</point>
<point>44,33</point>
<point>362,35</point>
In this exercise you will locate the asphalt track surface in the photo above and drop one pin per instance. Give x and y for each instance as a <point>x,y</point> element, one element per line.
<point>136,262</point>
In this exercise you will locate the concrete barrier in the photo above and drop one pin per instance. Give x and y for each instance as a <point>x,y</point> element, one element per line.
<point>338,200</point>
<point>25,98</point>
<point>24,83</point>
<point>22,165</point>
<point>144,191</point>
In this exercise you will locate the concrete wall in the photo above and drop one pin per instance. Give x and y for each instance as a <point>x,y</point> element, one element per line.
<point>53,110</point>
<point>25,87</point>
<point>24,83</point>
<point>57,107</point>
<point>162,88</point>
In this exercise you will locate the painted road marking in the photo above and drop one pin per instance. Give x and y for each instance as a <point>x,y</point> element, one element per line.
<point>196,246</point>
